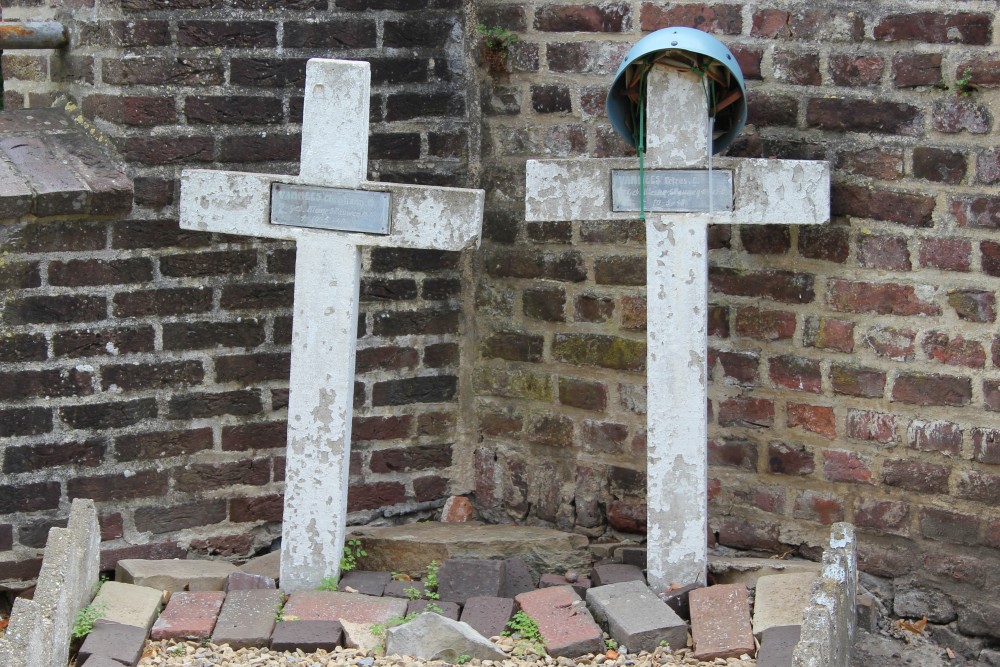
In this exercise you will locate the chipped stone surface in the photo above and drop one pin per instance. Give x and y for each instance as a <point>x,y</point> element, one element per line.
<point>128,604</point>
<point>174,574</point>
<point>435,637</point>
<point>781,599</point>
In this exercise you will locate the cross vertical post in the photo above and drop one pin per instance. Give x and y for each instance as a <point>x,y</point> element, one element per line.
<point>764,192</point>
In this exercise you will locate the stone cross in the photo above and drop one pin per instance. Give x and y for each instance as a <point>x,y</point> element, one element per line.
<point>765,192</point>
<point>331,211</point>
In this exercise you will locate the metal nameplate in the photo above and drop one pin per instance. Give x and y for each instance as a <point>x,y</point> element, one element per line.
<point>672,190</point>
<point>337,209</point>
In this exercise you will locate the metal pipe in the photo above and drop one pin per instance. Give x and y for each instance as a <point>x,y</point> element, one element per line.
<point>32,35</point>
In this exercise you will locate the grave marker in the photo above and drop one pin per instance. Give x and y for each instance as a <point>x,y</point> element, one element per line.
<point>331,211</point>
<point>762,192</point>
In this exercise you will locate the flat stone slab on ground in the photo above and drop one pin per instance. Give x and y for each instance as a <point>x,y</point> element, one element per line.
<point>408,548</point>
<point>268,565</point>
<point>777,644</point>
<point>173,574</point>
<point>247,618</point>
<point>309,636</point>
<point>340,606</point>
<point>366,582</point>
<point>735,570</point>
<point>677,599</point>
<point>459,579</point>
<point>720,622</point>
<point>114,641</point>
<point>189,615</point>
<point>563,621</point>
<point>635,617</point>
<point>780,600</point>
<point>447,609</point>
<point>360,636</point>
<point>435,637</point>
<point>488,615</point>
<point>245,581</point>
<point>518,579</point>
<point>128,604</point>
<point>615,573</point>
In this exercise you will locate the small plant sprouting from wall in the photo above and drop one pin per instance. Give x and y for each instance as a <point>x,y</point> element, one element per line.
<point>963,84</point>
<point>494,47</point>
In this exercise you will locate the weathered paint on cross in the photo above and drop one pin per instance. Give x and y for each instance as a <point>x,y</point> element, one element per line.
<point>327,279</point>
<point>766,192</point>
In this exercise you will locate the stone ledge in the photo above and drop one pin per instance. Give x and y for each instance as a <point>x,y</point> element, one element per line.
<point>49,166</point>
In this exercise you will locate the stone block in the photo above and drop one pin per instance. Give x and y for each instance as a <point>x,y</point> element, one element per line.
<point>780,600</point>
<point>563,621</point>
<point>518,578</point>
<point>189,615</point>
<point>174,575</point>
<point>677,599</point>
<point>777,643</point>
<point>868,612</point>
<point>615,573</point>
<point>340,606</point>
<point>245,581</point>
<point>735,570</point>
<point>635,617</point>
<point>720,622</point>
<point>488,615</point>
<point>457,509</point>
<point>247,618</point>
<point>268,565</point>
<point>365,582</point>
<point>129,604</point>
<point>360,636</point>
<point>408,548</point>
<point>115,641</point>
<point>307,635</point>
<point>398,589</point>
<point>580,585</point>
<point>633,556</point>
<point>435,637</point>
<point>449,609</point>
<point>460,579</point>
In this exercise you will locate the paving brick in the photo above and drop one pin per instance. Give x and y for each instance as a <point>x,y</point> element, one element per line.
<point>720,622</point>
<point>580,585</point>
<point>517,578</point>
<point>633,556</point>
<point>488,615</point>
<point>189,615</point>
<point>677,599</point>
<point>450,609</point>
<point>245,581</point>
<point>460,579</point>
<point>340,606</point>
<point>129,604</point>
<point>114,641</point>
<point>635,617</point>
<point>307,635</point>
<point>247,618</point>
<point>174,574</point>
<point>615,573</point>
<point>777,644</point>
<point>363,581</point>
<point>780,600</point>
<point>563,621</point>
<point>397,589</point>
<point>268,565</point>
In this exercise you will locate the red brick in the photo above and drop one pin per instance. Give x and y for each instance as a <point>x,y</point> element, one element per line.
<point>881,298</point>
<point>915,476</point>
<point>210,476</point>
<point>896,344</point>
<point>765,324</point>
<point>408,459</point>
<point>743,367</point>
<point>718,321</point>
<point>986,445</point>
<point>794,372</point>
<point>814,418</point>
<point>844,466</point>
<point>952,115</point>
<point>882,163</point>
<point>939,165</point>
<point>375,495</point>
<point>860,115</point>
<point>931,389</point>
<point>749,59</point>
<point>568,630</point>
<point>259,508</point>
<point>990,257</point>
<point>828,334</point>
<point>796,68</point>
<point>979,486</point>
<point>934,436</point>
<point>627,516</point>
<point>584,18</point>
<point>883,252</point>
<point>981,212</point>
<point>905,208</point>
<point>733,453</point>
<point>782,286</point>
<point>771,23</point>
<point>870,425</point>
<point>750,412</point>
<point>991,395</point>
<point>786,459</point>
<point>962,28</point>
<point>956,351</point>
<point>916,69</point>
<point>855,70</point>
<point>819,507</point>
<point>882,515</point>
<point>855,381</point>
<point>167,519</point>
<point>949,254</point>
<point>715,19</point>
<point>131,110</point>
<point>720,622</point>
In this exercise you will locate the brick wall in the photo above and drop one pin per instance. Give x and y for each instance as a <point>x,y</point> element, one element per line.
<point>147,366</point>
<point>855,367</point>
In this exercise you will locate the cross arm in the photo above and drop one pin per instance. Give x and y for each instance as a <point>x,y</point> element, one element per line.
<point>227,202</point>
<point>766,191</point>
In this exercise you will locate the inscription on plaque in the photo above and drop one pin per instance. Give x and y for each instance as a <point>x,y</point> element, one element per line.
<point>330,208</point>
<point>672,190</point>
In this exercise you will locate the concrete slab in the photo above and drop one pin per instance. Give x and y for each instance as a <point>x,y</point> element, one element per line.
<point>189,615</point>
<point>247,618</point>
<point>734,570</point>
<point>563,621</point>
<point>244,581</point>
<point>365,582</point>
<point>777,644</point>
<point>615,573</point>
<point>408,548</point>
<point>635,617</point>
<point>340,606</point>
<point>309,636</point>
<point>115,641</point>
<point>781,599</point>
<point>447,609</point>
<point>488,615</point>
<point>460,579</point>
<point>174,575</point>
<point>720,622</point>
<point>128,604</point>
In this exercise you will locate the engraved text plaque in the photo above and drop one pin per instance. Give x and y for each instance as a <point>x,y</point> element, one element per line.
<point>337,209</point>
<point>672,190</point>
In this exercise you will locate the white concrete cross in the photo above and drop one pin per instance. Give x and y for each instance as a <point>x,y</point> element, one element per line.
<point>327,279</point>
<point>765,192</point>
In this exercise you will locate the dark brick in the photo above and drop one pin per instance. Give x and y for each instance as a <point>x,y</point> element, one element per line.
<point>416,322</point>
<point>545,303</point>
<point>374,496</point>
<point>158,151</point>
<point>155,234</point>
<point>394,146</point>
<point>889,253</point>
<point>56,309</point>
<point>417,32</point>
<point>268,72</point>
<point>990,261</point>
<point>330,34</point>
<point>939,165</point>
<point>783,459</point>
<point>211,476</point>
<point>748,412</point>
<point>622,270</point>
<point>381,428</point>
<point>232,110</point>
<point>263,296</point>
<point>930,389</point>
<point>175,301</point>
<point>858,115</point>
<point>910,70</point>
<point>208,263</point>
<point>411,458</point>
<point>915,476</point>
<point>29,497</point>
<point>178,517</point>
<point>906,208</point>
<point>25,421</point>
<point>252,368</point>
<point>603,437</point>
<point>552,98</point>
<point>583,394</point>
<point>141,484</point>
<point>782,286</point>
<point>386,260</point>
<point>88,343</point>
<point>584,18</point>
<point>962,28</point>
<point>162,444</point>
<point>385,358</point>
<point>195,406</point>
<point>599,350</point>
<point>881,298</point>
<point>716,19</point>
<point>855,381</point>
<point>388,289</point>
<point>108,415</point>
<point>30,458</point>
<point>232,34</point>
<point>260,435</point>
<point>131,110</point>
<point>23,347</point>
<point>260,508</point>
<point>743,367</point>
<point>408,106</point>
<point>206,335</point>
<point>440,289</point>
<point>52,383</point>
<point>856,70</point>
<point>431,389</point>
<point>136,376</point>
<point>513,346</point>
<point>801,69</point>
<point>733,453</point>
<point>937,524</point>
<point>824,242</point>
<point>593,308</point>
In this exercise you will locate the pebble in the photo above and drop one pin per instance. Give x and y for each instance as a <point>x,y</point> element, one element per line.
<point>170,653</point>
